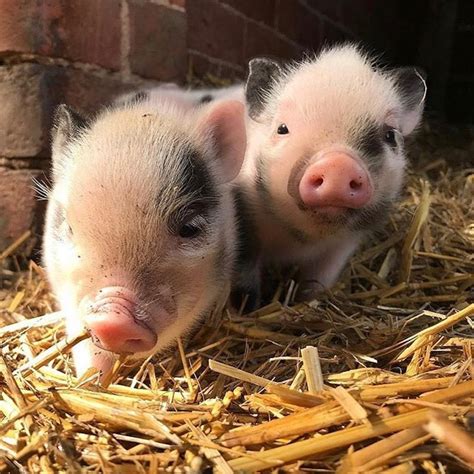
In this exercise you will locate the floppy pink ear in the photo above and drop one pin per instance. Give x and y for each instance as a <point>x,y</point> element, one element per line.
<point>224,121</point>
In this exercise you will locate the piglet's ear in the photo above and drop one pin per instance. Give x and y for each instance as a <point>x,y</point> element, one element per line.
<point>411,83</point>
<point>66,125</point>
<point>224,122</point>
<point>263,73</point>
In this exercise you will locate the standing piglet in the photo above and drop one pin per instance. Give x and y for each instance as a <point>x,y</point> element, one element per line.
<point>324,163</point>
<point>140,234</point>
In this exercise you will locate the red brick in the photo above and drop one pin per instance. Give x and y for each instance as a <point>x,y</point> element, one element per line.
<point>19,208</point>
<point>260,41</point>
<point>157,42</point>
<point>21,120</point>
<point>30,92</point>
<point>215,30</point>
<point>260,10</point>
<point>82,30</point>
<point>80,89</point>
<point>300,24</point>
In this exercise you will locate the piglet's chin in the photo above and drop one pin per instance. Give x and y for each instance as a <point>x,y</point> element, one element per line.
<point>114,324</point>
<point>330,211</point>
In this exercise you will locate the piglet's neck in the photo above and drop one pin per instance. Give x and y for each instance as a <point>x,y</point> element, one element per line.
<point>275,239</point>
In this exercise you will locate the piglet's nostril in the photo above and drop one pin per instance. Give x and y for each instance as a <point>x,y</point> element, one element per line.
<point>335,180</point>
<point>355,184</point>
<point>317,182</point>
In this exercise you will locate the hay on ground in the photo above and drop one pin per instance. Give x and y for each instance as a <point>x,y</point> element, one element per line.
<point>385,383</point>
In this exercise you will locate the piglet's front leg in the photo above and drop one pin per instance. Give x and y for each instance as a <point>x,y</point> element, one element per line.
<point>247,287</point>
<point>321,273</point>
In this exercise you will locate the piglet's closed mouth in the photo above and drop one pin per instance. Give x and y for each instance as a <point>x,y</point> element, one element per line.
<point>331,210</point>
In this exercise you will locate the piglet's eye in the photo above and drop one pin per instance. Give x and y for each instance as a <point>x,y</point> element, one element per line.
<point>192,227</point>
<point>283,129</point>
<point>189,231</point>
<point>390,137</point>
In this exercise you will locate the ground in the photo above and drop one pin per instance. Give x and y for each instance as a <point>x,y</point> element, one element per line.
<point>397,326</point>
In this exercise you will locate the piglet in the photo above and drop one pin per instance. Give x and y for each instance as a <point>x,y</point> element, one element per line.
<point>140,230</point>
<point>325,161</point>
<point>185,98</point>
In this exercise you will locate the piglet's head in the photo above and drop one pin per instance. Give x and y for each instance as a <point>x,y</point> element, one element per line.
<point>137,243</point>
<point>331,134</point>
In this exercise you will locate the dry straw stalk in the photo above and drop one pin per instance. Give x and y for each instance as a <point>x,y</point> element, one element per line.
<point>394,350</point>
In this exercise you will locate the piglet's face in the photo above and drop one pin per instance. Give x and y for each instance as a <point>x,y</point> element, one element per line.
<point>331,133</point>
<point>134,246</point>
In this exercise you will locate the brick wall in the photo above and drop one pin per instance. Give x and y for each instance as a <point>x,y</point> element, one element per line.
<point>435,34</point>
<point>83,52</point>
<point>224,34</point>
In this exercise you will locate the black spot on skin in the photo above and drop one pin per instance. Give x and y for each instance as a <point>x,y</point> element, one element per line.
<point>206,99</point>
<point>197,181</point>
<point>369,142</point>
<point>248,245</point>
<point>197,190</point>
<point>140,97</point>
<point>246,283</point>
<point>263,73</point>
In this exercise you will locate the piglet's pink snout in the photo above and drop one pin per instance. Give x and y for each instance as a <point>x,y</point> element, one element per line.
<point>336,180</point>
<point>113,324</point>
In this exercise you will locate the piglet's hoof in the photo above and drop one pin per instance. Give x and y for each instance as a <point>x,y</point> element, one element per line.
<point>309,290</point>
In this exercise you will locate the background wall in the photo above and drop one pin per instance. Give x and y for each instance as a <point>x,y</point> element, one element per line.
<point>83,52</point>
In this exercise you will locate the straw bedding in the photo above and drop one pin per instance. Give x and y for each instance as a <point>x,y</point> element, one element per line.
<point>375,376</point>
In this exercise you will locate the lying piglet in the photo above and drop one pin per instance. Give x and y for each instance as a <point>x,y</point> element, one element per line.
<point>140,230</point>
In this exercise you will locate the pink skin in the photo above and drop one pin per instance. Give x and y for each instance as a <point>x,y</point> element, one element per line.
<point>112,321</point>
<point>337,165</point>
<point>324,158</point>
<point>116,266</point>
<point>334,182</point>
<point>308,175</point>
<point>296,161</point>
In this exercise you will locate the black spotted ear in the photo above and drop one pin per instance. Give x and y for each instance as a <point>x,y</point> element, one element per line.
<point>411,84</point>
<point>262,75</point>
<point>67,123</point>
